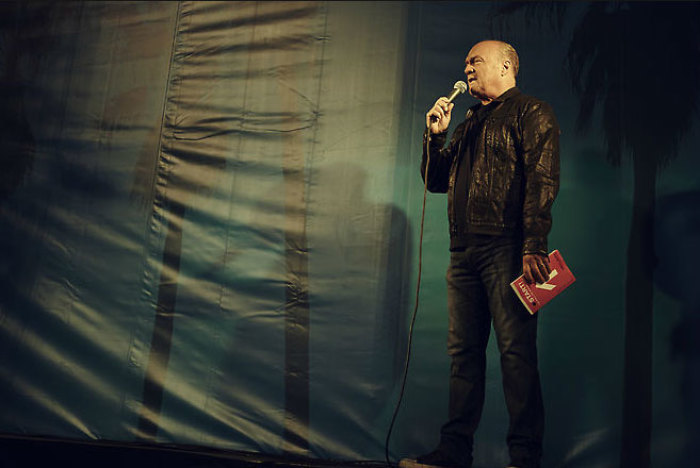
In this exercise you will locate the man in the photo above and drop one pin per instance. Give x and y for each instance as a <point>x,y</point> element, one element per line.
<point>501,174</point>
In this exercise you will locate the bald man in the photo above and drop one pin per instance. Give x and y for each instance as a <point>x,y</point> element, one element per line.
<point>500,171</point>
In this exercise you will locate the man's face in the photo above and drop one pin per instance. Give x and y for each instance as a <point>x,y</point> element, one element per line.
<point>483,69</point>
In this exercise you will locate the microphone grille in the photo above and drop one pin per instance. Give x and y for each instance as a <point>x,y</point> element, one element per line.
<point>461,86</point>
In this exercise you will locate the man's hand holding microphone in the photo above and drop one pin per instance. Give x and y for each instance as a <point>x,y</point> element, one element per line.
<point>438,117</point>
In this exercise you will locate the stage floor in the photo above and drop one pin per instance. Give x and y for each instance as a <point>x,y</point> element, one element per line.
<point>29,452</point>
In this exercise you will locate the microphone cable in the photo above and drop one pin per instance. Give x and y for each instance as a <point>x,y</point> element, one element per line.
<point>415,308</point>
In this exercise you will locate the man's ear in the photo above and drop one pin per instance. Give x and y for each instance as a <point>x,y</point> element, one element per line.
<point>506,66</point>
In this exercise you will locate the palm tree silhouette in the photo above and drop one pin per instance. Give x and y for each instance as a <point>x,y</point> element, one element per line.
<point>620,53</point>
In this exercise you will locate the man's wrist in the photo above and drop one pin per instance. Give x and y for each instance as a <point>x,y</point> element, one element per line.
<point>435,138</point>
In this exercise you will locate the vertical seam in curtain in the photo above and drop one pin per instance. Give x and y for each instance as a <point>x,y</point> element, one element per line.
<point>153,227</point>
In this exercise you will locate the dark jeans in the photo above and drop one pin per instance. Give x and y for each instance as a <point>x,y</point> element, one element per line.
<point>479,293</point>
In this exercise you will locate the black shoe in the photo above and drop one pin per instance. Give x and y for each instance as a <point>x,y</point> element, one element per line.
<point>434,459</point>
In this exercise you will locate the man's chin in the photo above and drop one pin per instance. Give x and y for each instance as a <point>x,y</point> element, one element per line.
<point>475,93</point>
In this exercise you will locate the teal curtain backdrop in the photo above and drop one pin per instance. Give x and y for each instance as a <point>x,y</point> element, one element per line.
<point>209,219</point>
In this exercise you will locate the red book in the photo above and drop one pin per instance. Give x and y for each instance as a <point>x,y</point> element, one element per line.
<point>534,296</point>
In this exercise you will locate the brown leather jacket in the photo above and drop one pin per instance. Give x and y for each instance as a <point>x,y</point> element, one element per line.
<point>515,171</point>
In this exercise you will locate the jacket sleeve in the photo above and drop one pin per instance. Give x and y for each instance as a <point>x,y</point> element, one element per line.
<point>540,145</point>
<point>440,158</point>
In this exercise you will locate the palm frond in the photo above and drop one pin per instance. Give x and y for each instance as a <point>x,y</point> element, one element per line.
<point>622,59</point>
<point>549,14</point>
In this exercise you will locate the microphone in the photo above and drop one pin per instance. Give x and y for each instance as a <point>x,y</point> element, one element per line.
<point>459,88</point>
